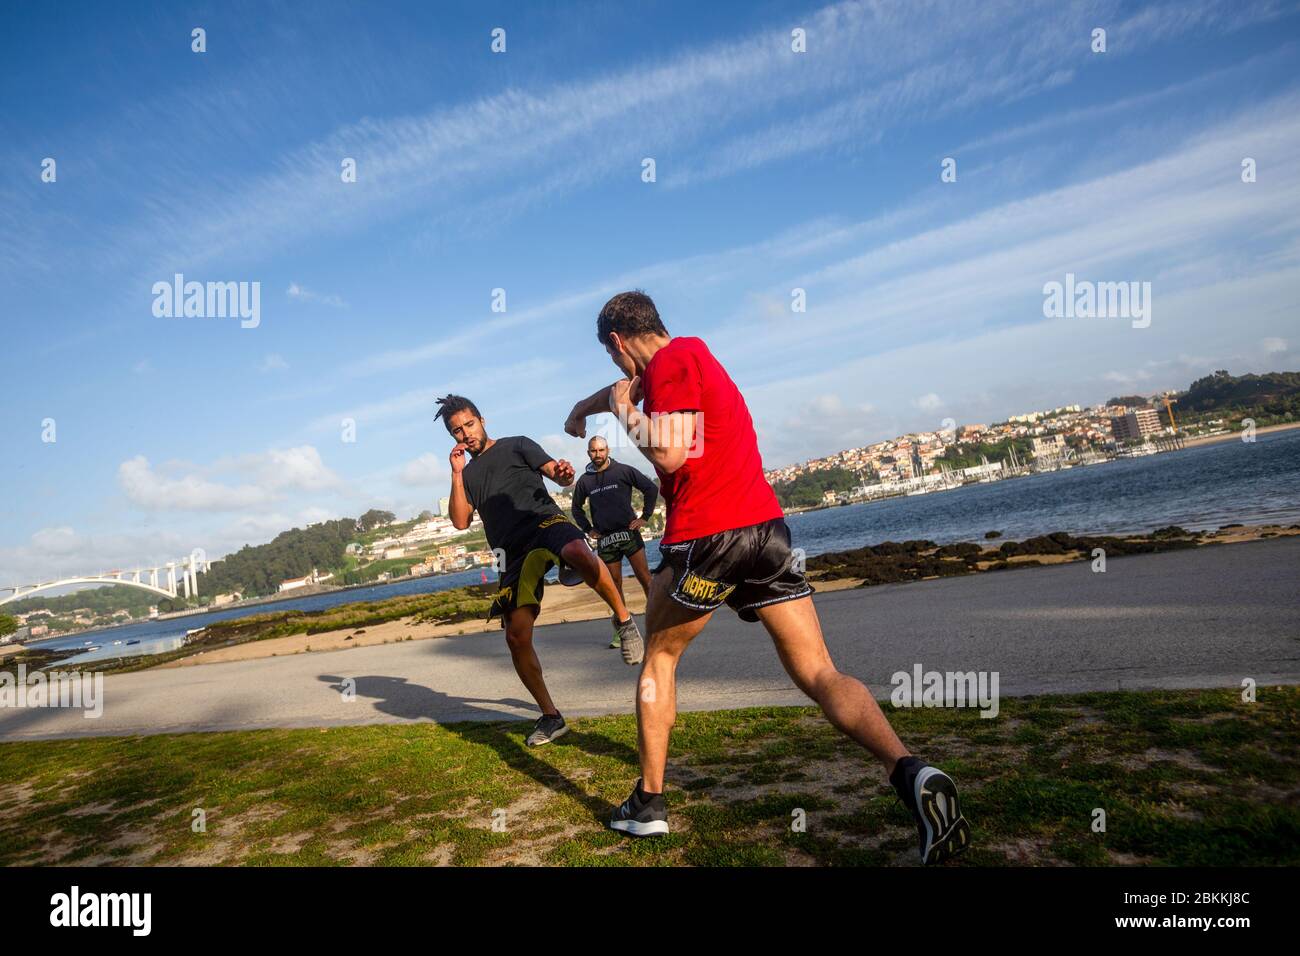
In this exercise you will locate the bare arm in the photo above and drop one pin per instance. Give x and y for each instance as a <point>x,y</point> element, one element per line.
<point>560,472</point>
<point>596,403</point>
<point>664,439</point>
<point>462,512</point>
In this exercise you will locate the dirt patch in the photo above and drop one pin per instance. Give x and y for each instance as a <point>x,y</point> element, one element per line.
<point>534,835</point>
<point>142,850</point>
<point>442,855</point>
<point>1154,755</point>
<point>227,842</point>
<point>13,798</point>
<point>1025,851</point>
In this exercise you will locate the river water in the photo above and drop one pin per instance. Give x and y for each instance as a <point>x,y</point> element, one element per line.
<point>1197,488</point>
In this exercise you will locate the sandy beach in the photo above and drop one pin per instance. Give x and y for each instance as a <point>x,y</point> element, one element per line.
<point>1230,436</point>
<point>1196,617</point>
<point>560,605</point>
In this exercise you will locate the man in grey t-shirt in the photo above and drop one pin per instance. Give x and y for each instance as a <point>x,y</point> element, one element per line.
<point>502,480</point>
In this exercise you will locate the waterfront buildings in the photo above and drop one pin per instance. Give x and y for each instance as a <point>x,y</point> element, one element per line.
<point>1136,425</point>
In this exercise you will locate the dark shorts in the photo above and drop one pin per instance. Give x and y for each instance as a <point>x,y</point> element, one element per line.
<point>617,545</point>
<point>744,568</point>
<point>524,578</point>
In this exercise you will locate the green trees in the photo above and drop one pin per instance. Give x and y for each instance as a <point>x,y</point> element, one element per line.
<point>98,600</point>
<point>1272,397</point>
<point>374,518</point>
<point>292,554</point>
<point>1269,398</point>
<point>968,454</point>
<point>808,489</point>
<point>7,624</point>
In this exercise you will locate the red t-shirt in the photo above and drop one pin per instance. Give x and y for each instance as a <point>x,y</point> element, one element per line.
<point>721,485</point>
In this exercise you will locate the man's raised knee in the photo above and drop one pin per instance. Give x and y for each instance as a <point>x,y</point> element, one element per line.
<point>517,638</point>
<point>576,554</point>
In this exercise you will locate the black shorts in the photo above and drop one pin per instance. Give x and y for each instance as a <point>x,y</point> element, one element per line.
<point>744,568</point>
<point>524,578</point>
<point>618,545</point>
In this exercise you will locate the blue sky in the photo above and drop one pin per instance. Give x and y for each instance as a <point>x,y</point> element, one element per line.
<point>522,171</point>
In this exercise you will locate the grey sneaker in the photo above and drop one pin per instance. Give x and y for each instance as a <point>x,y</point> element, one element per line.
<point>629,641</point>
<point>547,728</point>
<point>614,621</point>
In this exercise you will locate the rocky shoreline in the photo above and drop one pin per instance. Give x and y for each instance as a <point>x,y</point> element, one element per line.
<point>894,562</point>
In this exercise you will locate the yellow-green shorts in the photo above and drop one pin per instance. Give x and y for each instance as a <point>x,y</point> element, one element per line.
<point>524,578</point>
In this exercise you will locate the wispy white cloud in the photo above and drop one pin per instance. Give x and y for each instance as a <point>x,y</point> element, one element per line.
<point>266,476</point>
<point>428,469</point>
<point>572,134</point>
<point>149,489</point>
<point>301,294</point>
<point>1103,115</point>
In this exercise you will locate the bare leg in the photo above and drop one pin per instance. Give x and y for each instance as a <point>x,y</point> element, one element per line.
<point>616,572</point>
<point>519,638</point>
<point>641,568</point>
<point>843,699</point>
<point>582,559</point>
<point>671,628</point>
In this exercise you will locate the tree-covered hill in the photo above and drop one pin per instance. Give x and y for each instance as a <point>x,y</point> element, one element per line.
<point>806,490</point>
<point>259,569</point>
<point>1270,398</point>
<point>1274,393</point>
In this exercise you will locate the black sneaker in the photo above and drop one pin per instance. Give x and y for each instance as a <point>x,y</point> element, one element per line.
<point>932,797</point>
<point>641,815</point>
<point>547,728</point>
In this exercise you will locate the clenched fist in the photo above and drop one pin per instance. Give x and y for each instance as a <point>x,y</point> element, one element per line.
<point>458,459</point>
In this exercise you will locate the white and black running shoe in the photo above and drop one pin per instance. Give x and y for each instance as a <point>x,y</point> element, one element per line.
<point>629,641</point>
<point>932,797</point>
<point>641,814</point>
<point>547,728</point>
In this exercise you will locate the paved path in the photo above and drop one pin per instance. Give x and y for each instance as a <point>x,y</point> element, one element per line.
<point>1201,618</point>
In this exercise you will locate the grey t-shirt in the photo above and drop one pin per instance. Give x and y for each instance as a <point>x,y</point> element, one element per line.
<point>505,488</point>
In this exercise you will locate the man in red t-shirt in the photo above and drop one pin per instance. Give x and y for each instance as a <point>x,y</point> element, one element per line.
<point>726,542</point>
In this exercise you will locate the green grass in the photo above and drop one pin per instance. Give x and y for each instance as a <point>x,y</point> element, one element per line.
<point>1185,778</point>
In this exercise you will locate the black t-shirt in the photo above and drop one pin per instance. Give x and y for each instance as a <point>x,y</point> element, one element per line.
<point>610,493</point>
<point>504,486</point>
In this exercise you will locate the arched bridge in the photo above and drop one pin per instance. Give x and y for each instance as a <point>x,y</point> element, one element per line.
<point>161,580</point>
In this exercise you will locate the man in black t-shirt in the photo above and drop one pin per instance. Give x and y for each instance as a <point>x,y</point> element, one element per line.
<point>614,527</point>
<point>502,480</point>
